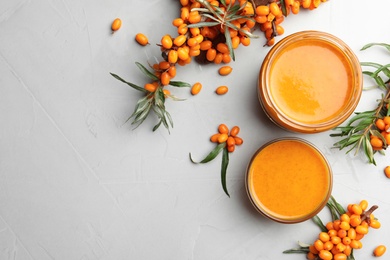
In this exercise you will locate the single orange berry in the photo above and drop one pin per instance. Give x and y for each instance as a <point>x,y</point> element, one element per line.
<point>172,71</point>
<point>324,237</point>
<point>230,141</point>
<point>116,24</point>
<point>387,171</point>
<point>239,140</point>
<point>231,148</point>
<point>222,138</point>
<point>222,90</point>
<point>214,138</point>
<point>386,120</point>
<point>196,88</point>
<point>379,250</point>
<point>319,245</point>
<point>165,78</point>
<point>375,224</point>
<point>234,131</point>
<point>376,142</point>
<point>225,70</point>
<point>150,87</point>
<point>340,256</point>
<point>223,129</point>
<point>141,39</point>
<point>166,41</point>
<point>325,255</point>
<point>363,204</point>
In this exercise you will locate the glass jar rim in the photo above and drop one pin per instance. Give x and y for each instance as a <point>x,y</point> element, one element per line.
<point>282,119</point>
<point>289,220</point>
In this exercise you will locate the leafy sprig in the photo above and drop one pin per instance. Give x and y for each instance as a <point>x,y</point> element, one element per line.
<point>357,132</point>
<point>152,101</point>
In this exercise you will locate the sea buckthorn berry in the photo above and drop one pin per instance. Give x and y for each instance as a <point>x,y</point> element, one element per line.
<point>379,251</point>
<point>226,58</point>
<point>335,240</point>
<point>311,256</point>
<point>196,88</point>
<point>182,53</point>
<point>214,138</point>
<point>336,224</point>
<point>184,13</point>
<point>150,87</point>
<point>165,78</point>
<point>345,225</point>
<point>230,141</point>
<point>223,129</point>
<point>231,148</point>
<point>348,250</point>
<point>328,245</point>
<point>222,48</point>
<point>172,71</point>
<point>179,40</point>
<point>205,45</point>
<point>375,224</point>
<point>116,24</point>
<point>340,247</point>
<point>325,255</point>
<point>166,41</point>
<point>351,233</point>
<point>211,53</point>
<point>313,250</point>
<point>141,39</point>
<point>319,245</point>
<point>218,58</point>
<point>274,9</point>
<point>355,220</point>
<point>386,120</point>
<point>376,142</point>
<point>340,256</point>
<point>332,232</point>
<point>363,204</point>
<point>221,90</point>
<point>225,70</point>
<point>234,131</point>
<point>182,29</point>
<point>356,209</point>
<point>164,65</point>
<point>387,171</point>
<point>177,22</point>
<point>347,241</point>
<point>344,218</point>
<point>361,229</point>
<point>356,244</point>
<point>239,140</point>
<point>380,124</point>
<point>222,138</point>
<point>166,92</point>
<point>262,10</point>
<point>323,236</point>
<point>172,56</point>
<point>246,41</point>
<point>192,42</point>
<point>341,233</point>
<point>329,225</point>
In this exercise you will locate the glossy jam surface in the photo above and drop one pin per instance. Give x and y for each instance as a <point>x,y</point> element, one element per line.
<point>311,81</point>
<point>288,179</point>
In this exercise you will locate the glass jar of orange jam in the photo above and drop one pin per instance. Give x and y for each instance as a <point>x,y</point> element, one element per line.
<point>288,180</point>
<point>310,82</point>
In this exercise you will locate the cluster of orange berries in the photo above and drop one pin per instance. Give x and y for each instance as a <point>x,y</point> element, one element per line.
<point>345,234</point>
<point>381,142</point>
<point>230,138</point>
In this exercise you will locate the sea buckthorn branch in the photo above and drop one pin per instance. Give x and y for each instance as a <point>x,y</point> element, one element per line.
<point>370,129</point>
<point>208,31</point>
<point>343,234</point>
<point>153,100</point>
<point>226,143</point>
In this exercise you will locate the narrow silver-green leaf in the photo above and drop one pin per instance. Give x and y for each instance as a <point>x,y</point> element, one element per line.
<point>212,155</point>
<point>146,71</point>
<point>129,83</point>
<point>387,46</point>
<point>180,84</point>
<point>224,166</point>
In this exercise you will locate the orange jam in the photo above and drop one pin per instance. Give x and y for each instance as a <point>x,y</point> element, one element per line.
<point>310,82</point>
<point>289,180</point>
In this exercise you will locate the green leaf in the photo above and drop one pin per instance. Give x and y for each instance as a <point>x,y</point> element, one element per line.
<point>297,251</point>
<point>225,163</point>
<point>229,43</point>
<point>180,84</point>
<point>128,83</point>
<point>387,46</point>
<point>340,209</point>
<point>203,24</point>
<point>146,71</point>
<point>319,223</point>
<point>212,155</point>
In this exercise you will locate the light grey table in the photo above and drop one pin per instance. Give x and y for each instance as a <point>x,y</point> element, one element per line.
<point>76,182</point>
